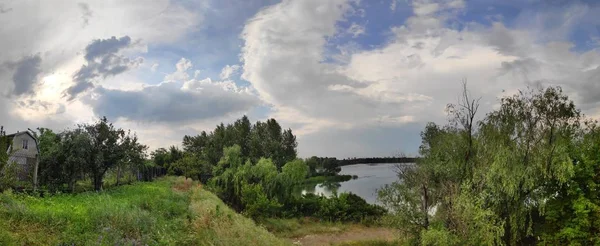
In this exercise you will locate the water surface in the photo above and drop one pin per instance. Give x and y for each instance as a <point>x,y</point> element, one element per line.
<point>371,177</point>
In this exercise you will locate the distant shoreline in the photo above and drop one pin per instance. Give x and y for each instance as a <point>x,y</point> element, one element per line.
<point>377,160</point>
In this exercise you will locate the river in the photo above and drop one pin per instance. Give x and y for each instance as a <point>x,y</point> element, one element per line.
<point>371,177</point>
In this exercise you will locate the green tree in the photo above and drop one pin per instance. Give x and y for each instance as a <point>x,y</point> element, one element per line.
<point>330,165</point>
<point>242,128</point>
<point>313,164</point>
<point>295,170</point>
<point>161,158</point>
<point>530,134</point>
<point>289,145</point>
<point>72,151</point>
<point>8,175</point>
<point>134,158</point>
<point>572,214</point>
<point>189,166</point>
<point>489,182</point>
<point>105,150</point>
<point>226,182</point>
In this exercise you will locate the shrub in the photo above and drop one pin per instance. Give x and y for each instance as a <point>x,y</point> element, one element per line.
<point>346,207</point>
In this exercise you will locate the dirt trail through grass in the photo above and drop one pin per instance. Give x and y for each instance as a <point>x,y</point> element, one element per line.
<point>356,234</point>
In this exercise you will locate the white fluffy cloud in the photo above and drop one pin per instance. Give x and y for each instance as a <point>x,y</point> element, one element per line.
<point>409,79</point>
<point>228,71</point>
<point>180,99</point>
<point>180,105</point>
<point>328,92</point>
<point>42,50</point>
<point>284,47</point>
<point>356,30</point>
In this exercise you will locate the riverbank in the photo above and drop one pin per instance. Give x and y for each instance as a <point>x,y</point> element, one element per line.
<point>329,178</point>
<point>169,211</point>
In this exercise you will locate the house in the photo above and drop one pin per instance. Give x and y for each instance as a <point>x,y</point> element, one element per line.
<point>23,151</point>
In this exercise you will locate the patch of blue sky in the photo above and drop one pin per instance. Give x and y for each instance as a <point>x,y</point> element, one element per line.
<point>212,45</point>
<point>376,18</point>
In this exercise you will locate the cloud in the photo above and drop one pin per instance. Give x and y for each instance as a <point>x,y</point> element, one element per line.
<point>428,57</point>
<point>168,102</point>
<point>26,74</point>
<point>178,100</point>
<point>154,67</point>
<point>103,60</point>
<point>228,70</point>
<point>356,30</point>
<point>100,48</point>
<point>86,13</point>
<point>60,41</point>
<point>393,5</point>
<point>181,71</point>
<point>411,77</point>
<point>283,54</point>
<point>4,9</point>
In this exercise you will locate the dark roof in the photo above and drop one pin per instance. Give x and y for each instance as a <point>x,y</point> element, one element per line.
<point>20,133</point>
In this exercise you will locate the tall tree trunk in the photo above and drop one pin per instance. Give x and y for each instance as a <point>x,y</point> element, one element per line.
<point>72,185</point>
<point>425,208</point>
<point>97,182</point>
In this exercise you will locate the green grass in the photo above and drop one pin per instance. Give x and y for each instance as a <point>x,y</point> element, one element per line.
<point>169,211</point>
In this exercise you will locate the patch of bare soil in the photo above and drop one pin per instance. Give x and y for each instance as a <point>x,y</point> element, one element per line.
<point>351,235</point>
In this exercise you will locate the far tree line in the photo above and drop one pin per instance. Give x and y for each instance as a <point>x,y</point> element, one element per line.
<point>376,160</point>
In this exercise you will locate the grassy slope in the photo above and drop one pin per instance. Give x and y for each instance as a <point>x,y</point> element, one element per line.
<point>169,211</point>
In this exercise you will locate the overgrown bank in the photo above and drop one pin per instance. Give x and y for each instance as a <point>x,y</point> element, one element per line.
<point>169,211</point>
<point>527,173</point>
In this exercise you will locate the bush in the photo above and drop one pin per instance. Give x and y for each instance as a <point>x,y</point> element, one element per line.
<point>346,207</point>
<point>256,202</point>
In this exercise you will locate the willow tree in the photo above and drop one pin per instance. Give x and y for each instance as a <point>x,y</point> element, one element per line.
<point>572,214</point>
<point>488,182</point>
<point>525,147</point>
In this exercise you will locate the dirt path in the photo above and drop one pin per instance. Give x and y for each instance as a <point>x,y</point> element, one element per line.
<point>354,234</point>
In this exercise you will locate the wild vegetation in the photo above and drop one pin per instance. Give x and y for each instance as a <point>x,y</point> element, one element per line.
<point>525,173</point>
<point>169,211</point>
<point>251,168</point>
<point>87,153</point>
<point>257,170</point>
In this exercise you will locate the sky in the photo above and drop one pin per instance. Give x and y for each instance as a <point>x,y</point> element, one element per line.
<point>351,78</point>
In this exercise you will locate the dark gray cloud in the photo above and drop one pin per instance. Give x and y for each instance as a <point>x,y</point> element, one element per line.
<point>590,87</point>
<point>503,40</point>
<point>26,74</point>
<point>103,60</point>
<point>521,68</point>
<point>86,13</point>
<point>168,102</point>
<point>102,47</point>
<point>4,9</point>
<point>78,88</point>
